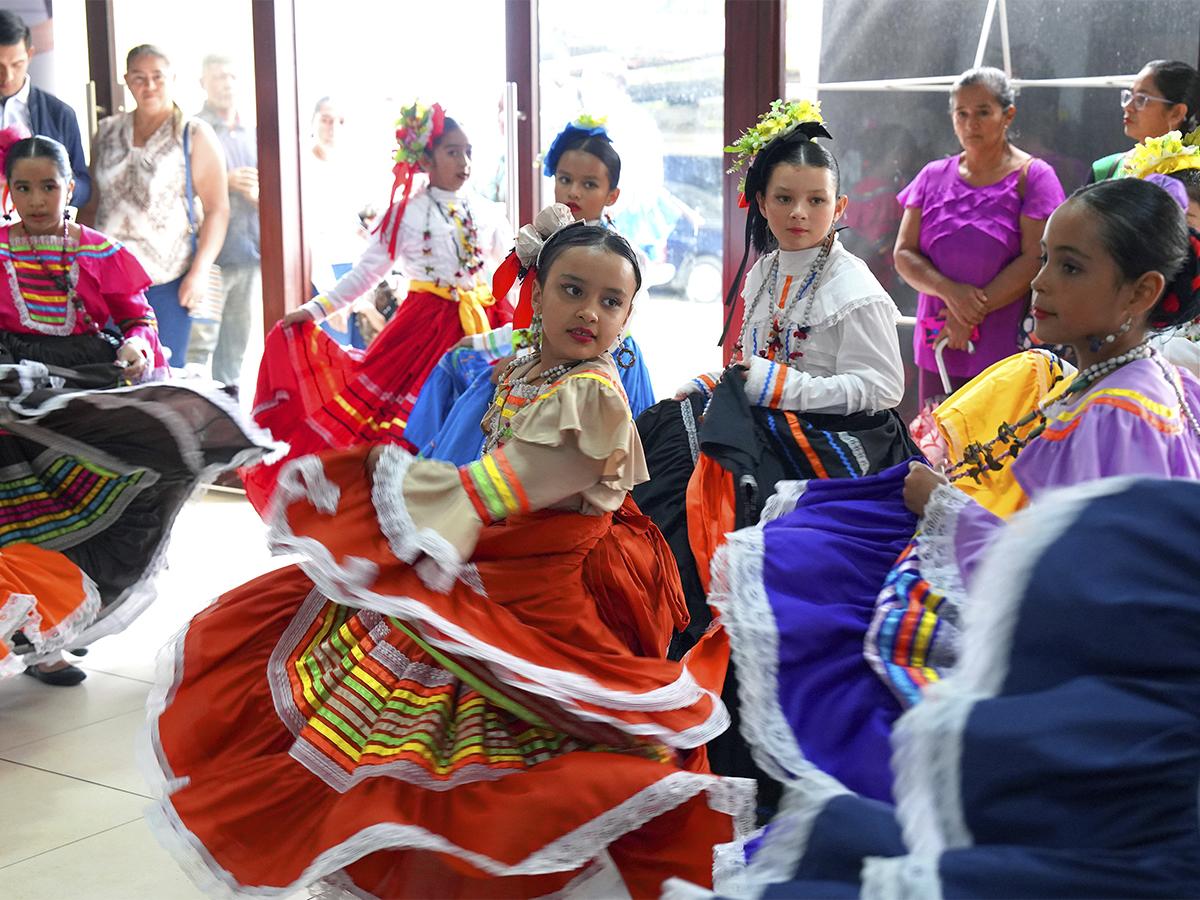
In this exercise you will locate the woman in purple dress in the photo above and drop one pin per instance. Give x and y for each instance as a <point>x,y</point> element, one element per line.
<point>839,619</point>
<point>968,241</point>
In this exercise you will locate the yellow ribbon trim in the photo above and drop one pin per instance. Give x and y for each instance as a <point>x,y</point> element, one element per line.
<point>1151,406</point>
<point>471,303</point>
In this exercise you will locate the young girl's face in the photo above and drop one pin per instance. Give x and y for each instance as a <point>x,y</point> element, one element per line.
<point>584,301</point>
<point>40,194</point>
<point>581,183</point>
<point>449,165</point>
<point>1193,215</point>
<point>800,205</point>
<point>1080,292</point>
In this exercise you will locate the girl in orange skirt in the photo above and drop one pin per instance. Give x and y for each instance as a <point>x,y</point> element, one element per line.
<point>316,394</point>
<point>462,688</point>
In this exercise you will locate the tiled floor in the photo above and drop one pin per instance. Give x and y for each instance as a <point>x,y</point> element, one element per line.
<point>72,795</point>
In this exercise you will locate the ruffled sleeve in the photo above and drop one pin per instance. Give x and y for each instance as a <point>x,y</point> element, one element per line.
<point>1043,191</point>
<point>587,416</point>
<point>575,447</point>
<point>914,193</point>
<point>754,279</point>
<point>115,269</point>
<point>954,534</point>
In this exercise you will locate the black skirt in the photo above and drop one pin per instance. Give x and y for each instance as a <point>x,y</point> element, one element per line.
<point>100,476</point>
<point>91,357</point>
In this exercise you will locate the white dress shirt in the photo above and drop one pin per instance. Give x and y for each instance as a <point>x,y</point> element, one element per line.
<point>16,109</point>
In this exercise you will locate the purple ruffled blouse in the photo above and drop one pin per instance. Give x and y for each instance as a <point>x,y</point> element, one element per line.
<point>970,234</point>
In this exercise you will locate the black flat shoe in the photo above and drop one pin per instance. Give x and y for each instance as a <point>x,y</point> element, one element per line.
<point>67,676</point>
<point>79,651</point>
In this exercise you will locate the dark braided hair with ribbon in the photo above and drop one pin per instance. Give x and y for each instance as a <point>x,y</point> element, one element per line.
<point>797,147</point>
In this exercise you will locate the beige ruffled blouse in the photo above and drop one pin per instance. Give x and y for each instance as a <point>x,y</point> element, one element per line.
<point>574,447</point>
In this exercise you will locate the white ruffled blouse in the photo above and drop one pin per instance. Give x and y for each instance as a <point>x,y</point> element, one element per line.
<point>850,361</point>
<point>494,238</point>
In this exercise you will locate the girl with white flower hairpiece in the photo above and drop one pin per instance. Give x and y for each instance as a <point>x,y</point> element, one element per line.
<point>462,689</point>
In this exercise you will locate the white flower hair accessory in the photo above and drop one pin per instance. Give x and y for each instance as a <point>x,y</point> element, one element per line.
<point>531,238</point>
<point>522,262</point>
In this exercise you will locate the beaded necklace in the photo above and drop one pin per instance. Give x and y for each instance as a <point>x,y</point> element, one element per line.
<point>522,387</point>
<point>979,458</point>
<point>778,340</point>
<point>466,242</point>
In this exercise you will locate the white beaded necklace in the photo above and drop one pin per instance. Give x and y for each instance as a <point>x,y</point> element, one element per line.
<point>524,387</point>
<point>777,342</point>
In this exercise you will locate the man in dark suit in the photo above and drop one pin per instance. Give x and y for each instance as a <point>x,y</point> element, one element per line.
<point>33,109</point>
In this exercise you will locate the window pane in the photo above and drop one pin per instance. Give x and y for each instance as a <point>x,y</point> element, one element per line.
<point>659,82</point>
<point>884,137</point>
<point>357,66</point>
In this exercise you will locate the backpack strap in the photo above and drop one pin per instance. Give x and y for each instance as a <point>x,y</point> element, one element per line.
<point>1024,177</point>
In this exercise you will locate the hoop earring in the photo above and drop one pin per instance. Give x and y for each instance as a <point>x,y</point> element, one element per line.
<point>625,357</point>
<point>1095,343</point>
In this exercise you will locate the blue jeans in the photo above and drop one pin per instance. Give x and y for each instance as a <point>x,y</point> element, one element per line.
<point>174,322</point>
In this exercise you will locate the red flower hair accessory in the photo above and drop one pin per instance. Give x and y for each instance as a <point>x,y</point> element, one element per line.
<point>8,137</point>
<point>416,130</point>
<point>1171,304</point>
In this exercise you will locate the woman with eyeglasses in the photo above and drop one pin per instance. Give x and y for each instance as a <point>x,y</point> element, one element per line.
<point>1165,96</point>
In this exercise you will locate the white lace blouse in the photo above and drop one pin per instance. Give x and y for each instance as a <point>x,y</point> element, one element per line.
<point>850,361</point>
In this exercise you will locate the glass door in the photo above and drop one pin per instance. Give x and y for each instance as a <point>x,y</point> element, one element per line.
<point>654,69</point>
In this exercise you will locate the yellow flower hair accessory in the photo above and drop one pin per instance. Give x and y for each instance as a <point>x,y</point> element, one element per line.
<point>784,117</point>
<point>1172,152</point>
<point>587,122</point>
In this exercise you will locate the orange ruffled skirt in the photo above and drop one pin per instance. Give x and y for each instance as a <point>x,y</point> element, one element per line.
<point>516,735</point>
<point>317,395</point>
<point>45,597</point>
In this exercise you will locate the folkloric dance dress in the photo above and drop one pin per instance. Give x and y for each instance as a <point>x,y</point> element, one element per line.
<point>72,301</point>
<point>92,479</point>
<point>823,374</point>
<point>317,395</point>
<point>844,635</point>
<point>445,421</point>
<point>1059,758</point>
<point>462,689</point>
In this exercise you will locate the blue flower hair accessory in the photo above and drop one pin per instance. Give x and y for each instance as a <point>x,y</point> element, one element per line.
<point>585,125</point>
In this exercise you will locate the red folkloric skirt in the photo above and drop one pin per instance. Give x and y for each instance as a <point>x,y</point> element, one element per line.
<point>516,735</point>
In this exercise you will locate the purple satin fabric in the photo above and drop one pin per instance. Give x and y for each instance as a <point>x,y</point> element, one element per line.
<point>823,567</point>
